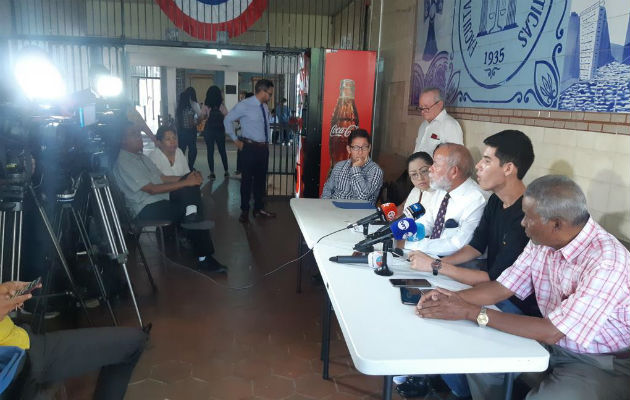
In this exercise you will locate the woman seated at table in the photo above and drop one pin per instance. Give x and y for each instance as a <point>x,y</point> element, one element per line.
<point>167,156</point>
<point>418,165</point>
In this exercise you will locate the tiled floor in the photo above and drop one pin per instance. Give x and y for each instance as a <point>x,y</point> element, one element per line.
<point>213,342</point>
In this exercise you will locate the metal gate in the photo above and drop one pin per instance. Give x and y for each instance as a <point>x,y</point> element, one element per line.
<point>286,124</point>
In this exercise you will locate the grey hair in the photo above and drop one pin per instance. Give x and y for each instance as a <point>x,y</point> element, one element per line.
<point>458,156</point>
<point>557,196</point>
<point>437,93</point>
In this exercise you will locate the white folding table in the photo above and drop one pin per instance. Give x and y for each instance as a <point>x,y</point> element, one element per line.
<point>384,336</point>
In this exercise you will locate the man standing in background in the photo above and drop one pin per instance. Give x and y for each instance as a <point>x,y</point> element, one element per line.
<point>438,127</point>
<point>253,116</point>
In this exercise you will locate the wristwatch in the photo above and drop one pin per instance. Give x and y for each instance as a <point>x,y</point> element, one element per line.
<point>436,265</point>
<point>482,318</point>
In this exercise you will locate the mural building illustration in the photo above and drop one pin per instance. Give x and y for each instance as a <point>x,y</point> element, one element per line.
<point>530,54</point>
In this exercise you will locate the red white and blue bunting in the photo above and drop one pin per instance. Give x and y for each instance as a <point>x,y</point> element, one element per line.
<point>202,19</point>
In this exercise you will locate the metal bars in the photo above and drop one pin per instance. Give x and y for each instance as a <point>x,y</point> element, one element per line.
<point>289,24</point>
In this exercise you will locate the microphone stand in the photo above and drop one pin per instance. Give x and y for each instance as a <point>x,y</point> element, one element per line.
<point>384,270</point>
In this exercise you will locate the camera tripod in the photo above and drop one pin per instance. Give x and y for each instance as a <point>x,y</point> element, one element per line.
<point>118,251</point>
<point>12,195</point>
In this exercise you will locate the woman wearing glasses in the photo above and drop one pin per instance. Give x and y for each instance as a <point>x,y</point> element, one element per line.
<point>418,165</point>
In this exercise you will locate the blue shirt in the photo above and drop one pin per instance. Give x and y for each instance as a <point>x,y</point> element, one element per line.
<point>250,116</point>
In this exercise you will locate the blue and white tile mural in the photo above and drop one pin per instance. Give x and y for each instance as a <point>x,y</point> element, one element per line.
<point>530,54</point>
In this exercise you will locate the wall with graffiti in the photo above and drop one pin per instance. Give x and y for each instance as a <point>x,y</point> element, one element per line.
<point>530,54</point>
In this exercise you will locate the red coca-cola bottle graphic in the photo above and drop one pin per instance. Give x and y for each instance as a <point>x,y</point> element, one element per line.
<point>345,119</point>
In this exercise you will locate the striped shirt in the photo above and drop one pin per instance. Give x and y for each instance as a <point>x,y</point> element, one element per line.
<point>357,183</point>
<point>583,288</point>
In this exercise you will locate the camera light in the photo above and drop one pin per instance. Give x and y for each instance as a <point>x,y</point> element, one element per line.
<point>108,86</point>
<point>38,77</point>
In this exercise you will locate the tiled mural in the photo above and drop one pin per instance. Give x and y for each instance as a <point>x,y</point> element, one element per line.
<point>530,54</point>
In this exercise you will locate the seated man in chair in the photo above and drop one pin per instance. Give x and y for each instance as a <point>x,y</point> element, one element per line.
<point>150,195</point>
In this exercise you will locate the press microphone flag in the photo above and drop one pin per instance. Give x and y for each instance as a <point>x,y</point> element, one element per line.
<point>414,211</point>
<point>398,230</point>
<point>383,213</point>
<point>419,235</point>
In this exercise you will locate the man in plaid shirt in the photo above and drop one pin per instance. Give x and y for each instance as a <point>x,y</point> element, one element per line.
<point>358,177</point>
<point>580,275</point>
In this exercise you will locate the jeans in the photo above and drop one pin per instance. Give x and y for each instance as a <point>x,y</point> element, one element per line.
<point>218,138</point>
<point>187,139</point>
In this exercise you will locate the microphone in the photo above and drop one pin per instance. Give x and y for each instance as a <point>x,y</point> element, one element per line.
<point>398,230</point>
<point>382,213</point>
<point>414,211</point>
<point>419,235</point>
<point>349,259</point>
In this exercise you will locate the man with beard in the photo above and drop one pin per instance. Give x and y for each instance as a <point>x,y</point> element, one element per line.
<point>456,206</point>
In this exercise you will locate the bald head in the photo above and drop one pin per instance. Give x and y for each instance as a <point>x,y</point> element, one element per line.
<point>452,165</point>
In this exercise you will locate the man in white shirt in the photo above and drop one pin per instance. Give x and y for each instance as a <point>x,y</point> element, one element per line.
<point>437,127</point>
<point>456,206</point>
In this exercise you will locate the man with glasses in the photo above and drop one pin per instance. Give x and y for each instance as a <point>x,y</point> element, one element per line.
<point>357,178</point>
<point>253,116</point>
<point>437,127</point>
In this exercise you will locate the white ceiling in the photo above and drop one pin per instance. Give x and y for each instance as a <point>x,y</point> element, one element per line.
<point>233,60</point>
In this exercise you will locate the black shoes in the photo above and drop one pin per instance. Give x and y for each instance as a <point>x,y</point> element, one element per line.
<point>244,218</point>
<point>192,218</point>
<point>264,214</point>
<point>212,176</point>
<point>211,264</point>
<point>414,386</point>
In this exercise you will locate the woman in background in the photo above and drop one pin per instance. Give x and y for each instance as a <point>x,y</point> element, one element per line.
<point>214,131</point>
<point>186,115</point>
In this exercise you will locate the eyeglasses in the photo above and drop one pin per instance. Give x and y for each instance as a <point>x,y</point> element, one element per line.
<point>360,148</point>
<point>270,93</point>
<point>426,109</point>
<point>416,175</point>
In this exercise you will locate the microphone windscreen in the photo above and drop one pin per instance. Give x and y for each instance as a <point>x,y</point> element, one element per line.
<point>419,235</point>
<point>389,211</point>
<point>415,211</point>
<point>403,228</point>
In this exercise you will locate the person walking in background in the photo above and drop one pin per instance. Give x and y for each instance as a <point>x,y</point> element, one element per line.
<point>214,131</point>
<point>186,115</point>
<point>282,114</point>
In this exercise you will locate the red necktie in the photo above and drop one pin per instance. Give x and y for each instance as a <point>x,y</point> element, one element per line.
<point>439,221</point>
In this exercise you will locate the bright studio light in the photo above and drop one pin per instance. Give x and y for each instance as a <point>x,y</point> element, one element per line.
<point>108,86</point>
<point>38,77</point>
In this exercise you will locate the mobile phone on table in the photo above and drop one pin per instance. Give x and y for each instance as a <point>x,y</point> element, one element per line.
<point>411,295</point>
<point>416,282</point>
<point>28,288</point>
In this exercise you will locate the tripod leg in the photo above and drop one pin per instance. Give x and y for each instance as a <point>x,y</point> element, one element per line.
<point>57,246</point>
<point>88,250</point>
<point>143,260</point>
<point>133,295</point>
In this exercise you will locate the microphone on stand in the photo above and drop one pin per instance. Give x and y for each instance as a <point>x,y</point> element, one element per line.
<point>414,211</point>
<point>398,230</point>
<point>383,213</point>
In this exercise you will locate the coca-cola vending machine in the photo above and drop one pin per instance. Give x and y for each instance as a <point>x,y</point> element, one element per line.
<point>348,100</point>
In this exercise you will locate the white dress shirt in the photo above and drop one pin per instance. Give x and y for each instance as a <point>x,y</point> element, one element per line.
<point>465,208</point>
<point>443,129</point>
<point>179,167</point>
<point>414,197</point>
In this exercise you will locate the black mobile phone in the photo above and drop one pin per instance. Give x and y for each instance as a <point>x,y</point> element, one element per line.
<point>418,282</point>
<point>411,295</point>
<point>28,288</point>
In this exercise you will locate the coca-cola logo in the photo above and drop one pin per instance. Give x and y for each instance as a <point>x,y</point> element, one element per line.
<point>337,130</point>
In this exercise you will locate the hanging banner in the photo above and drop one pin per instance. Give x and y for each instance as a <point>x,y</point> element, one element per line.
<point>348,102</point>
<point>202,19</point>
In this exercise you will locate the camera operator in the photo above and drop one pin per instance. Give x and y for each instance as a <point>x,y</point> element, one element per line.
<point>151,195</point>
<point>56,356</point>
